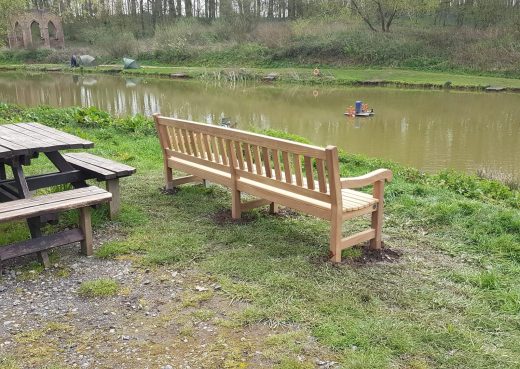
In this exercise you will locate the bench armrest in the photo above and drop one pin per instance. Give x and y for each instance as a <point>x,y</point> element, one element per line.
<point>367,179</point>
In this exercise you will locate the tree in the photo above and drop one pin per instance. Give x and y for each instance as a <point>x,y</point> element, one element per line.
<point>380,14</point>
<point>7,8</point>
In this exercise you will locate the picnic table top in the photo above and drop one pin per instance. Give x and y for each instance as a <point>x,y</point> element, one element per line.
<point>28,138</point>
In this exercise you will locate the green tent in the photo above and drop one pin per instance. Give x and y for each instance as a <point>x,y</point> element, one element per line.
<point>130,64</point>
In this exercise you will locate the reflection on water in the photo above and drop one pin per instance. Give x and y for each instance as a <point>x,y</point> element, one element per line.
<point>429,130</point>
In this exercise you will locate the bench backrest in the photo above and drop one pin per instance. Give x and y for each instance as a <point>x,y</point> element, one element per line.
<point>300,168</point>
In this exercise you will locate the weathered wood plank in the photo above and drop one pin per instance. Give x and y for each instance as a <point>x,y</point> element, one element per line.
<point>73,141</point>
<point>120,169</point>
<point>53,203</point>
<point>58,145</point>
<point>40,244</point>
<point>49,180</point>
<point>96,171</point>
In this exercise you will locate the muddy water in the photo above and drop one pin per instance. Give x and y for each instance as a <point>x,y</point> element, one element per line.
<point>430,130</point>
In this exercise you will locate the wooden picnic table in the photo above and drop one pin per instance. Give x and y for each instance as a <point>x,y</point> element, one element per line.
<point>22,142</point>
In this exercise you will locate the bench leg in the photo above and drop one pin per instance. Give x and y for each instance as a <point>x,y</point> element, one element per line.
<point>274,208</point>
<point>335,237</point>
<point>169,178</point>
<point>115,204</point>
<point>85,224</point>
<point>377,216</point>
<point>34,227</point>
<point>236,206</point>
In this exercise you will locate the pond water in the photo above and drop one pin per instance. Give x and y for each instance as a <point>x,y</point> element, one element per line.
<point>429,130</point>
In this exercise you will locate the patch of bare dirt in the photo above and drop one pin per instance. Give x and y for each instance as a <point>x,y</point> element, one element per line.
<point>223,217</point>
<point>370,256</point>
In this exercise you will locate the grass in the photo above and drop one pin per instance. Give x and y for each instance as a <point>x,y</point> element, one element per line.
<point>452,301</point>
<point>98,288</point>
<point>301,75</point>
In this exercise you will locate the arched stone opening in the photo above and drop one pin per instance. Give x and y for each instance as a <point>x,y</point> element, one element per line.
<point>18,36</point>
<point>37,39</point>
<point>53,35</point>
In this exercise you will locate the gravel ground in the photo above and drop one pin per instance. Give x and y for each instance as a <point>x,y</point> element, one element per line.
<point>160,318</point>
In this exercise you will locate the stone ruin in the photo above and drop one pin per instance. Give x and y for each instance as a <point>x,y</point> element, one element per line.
<point>34,29</point>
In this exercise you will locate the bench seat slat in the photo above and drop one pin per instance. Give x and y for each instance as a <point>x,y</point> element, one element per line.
<point>98,172</point>
<point>21,203</point>
<point>53,203</point>
<point>104,165</point>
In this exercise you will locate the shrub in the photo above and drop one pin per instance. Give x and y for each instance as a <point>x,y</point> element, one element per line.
<point>272,34</point>
<point>125,45</point>
<point>183,33</point>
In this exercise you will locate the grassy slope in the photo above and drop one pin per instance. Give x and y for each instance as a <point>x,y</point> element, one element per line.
<point>336,76</point>
<point>452,301</point>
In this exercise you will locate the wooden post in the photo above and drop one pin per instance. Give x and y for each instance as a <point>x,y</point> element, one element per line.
<point>377,216</point>
<point>115,204</point>
<point>236,210</point>
<point>274,208</point>
<point>336,215</point>
<point>35,229</point>
<point>85,224</point>
<point>164,140</point>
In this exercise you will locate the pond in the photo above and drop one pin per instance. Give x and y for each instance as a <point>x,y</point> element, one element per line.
<point>429,130</point>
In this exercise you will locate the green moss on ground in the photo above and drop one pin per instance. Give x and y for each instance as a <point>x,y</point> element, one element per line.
<point>102,287</point>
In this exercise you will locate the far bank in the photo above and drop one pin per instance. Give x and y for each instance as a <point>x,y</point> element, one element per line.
<point>299,75</point>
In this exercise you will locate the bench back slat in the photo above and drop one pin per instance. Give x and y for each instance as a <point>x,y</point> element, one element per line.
<point>251,138</point>
<point>308,172</point>
<point>292,166</point>
<point>297,160</point>
<point>322,180</point>
<point>276,165</point>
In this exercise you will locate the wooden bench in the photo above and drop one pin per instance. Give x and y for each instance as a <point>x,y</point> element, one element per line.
<point>102,169</point>
<point>276,171</point>
<point>81,198</point>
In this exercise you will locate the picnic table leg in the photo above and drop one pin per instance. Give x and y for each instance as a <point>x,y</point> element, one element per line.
<point>63,166</point>
<point>85,224</point>
<point>115,204</point>
<point>24,193</point>
<point>35,229</point>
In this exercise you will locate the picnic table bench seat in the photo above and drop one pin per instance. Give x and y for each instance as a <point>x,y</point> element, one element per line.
<point>102,169</point>
<point>80,198</point>
<point>276,172</point>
